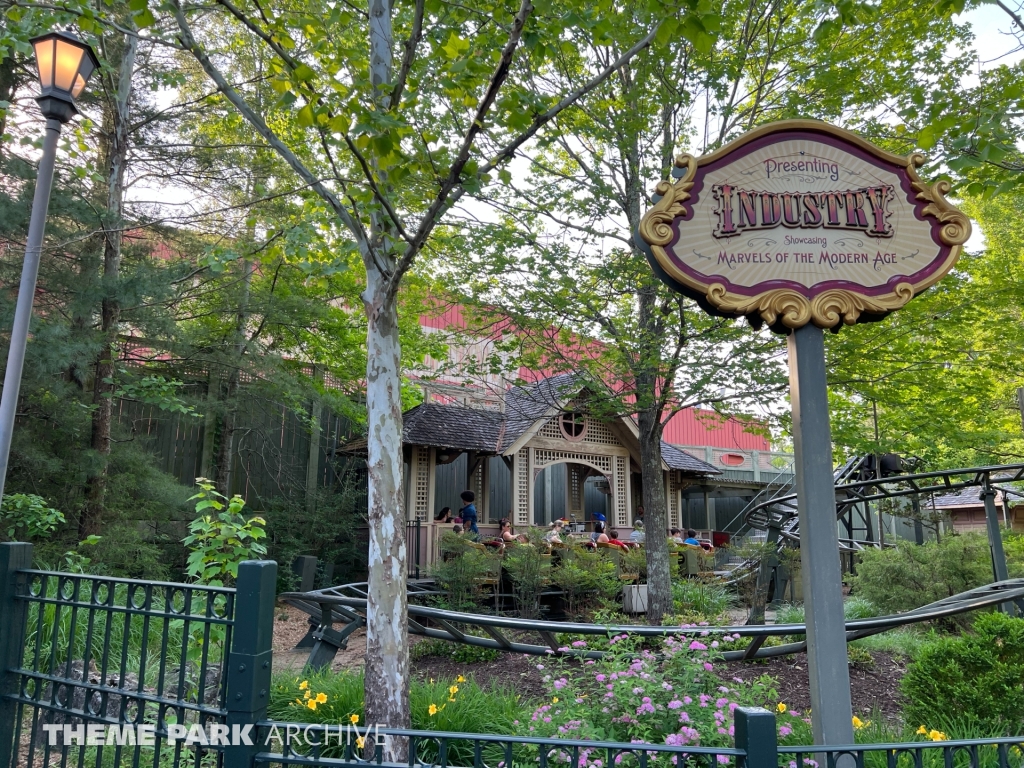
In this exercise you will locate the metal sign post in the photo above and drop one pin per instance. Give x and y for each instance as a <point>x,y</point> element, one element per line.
<point>831,709</point>
<point>804,226</point>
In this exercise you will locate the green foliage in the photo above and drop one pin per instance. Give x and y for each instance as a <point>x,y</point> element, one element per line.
<point>26,516</point>
<point>525,567</point>
<point>633,563</point>
<point>459,706</point>
<point>711,600</point>
<point>463,654</point>
<point>905,641</point>
<point>586,579</point>
<point>461,570</point>
<point>974,678</point>
<point>908,576</point>
<point>219,543</point>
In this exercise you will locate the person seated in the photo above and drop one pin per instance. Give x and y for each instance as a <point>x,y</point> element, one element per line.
<point>457,530</point>
<point>638,536</point>
<point>505,531</point>
<point>554,536</point>
<point>692,541</point>
<point>676,536</point>
<point>599,536</point>
<point>444,516</point>
<point>613,539</point>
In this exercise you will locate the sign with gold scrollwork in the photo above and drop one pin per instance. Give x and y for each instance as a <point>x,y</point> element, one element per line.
<point>799,221</point>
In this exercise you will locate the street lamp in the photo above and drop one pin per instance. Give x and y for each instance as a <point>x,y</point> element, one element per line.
<point>64,65</point>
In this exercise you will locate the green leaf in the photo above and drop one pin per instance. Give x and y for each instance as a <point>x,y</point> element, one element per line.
<point>144,19</point>
<point>303,73</point>
<point>305,116</point>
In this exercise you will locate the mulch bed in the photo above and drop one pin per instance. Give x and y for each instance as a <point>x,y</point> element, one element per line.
<point>872,688</point>
<point>510,670</point>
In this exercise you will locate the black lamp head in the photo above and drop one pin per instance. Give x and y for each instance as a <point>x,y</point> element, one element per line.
<point>64,65</point>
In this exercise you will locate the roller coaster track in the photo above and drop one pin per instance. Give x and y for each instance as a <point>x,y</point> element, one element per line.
<point>346,605</point>
<point>782,513</point>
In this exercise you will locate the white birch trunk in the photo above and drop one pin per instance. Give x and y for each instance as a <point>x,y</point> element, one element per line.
<point>386,691</point>
<point>387,652</point>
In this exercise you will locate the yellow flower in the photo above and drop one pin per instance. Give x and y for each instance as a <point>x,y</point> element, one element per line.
<point>554,700</point>
<point>936,735</point>
<point>353,719</point>
<point>321,698</point>
<point>857,722</point>
<point>311,704</point>
<point>453,690</point>
<point>451,698</point>
<point>304,685</point>
<point>780,707</point>
<point>460,679</point>
<point>359,742</point>
<point>306,695</point>
<point>432,709</point>
<point>922,730</point>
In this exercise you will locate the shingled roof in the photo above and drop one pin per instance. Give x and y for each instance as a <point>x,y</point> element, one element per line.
<point>460,428</point>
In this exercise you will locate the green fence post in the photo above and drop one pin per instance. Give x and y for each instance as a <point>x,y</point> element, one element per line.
<point>250,659</point>
<point>14,557</point>
<point>756,735</point>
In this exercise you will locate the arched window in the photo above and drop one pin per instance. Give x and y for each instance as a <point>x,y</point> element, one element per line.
<point>573,425</point>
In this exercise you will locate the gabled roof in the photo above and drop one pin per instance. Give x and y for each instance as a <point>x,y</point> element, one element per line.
<point>968,498</point>
<point>458,427</point>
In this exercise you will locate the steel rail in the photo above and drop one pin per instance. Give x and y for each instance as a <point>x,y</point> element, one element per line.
<point>328,602</point>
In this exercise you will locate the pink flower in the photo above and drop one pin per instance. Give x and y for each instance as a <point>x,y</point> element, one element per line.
<point>579,644</point>
<point>675,704</point>
<point>560,683</point>
<point>708,666</point>
<point>722,759</point>
<point>721,702</point>
<point>687,700</point>
<point>600,678</point>
<point>696,645</point>
<point>785,730</point>
<point>684,717</point>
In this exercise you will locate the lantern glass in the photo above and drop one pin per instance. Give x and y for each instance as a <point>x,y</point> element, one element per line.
<point>79,86</point>
<point>44,61</point>
<point>68,57</point>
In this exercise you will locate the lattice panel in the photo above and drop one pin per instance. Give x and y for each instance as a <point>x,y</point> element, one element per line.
<point>521,500</point>
<point>551,430</point>
<point>597,432</point>
<point>620,490</point>
<point>673,503</point>
<point>575,487</point>
<point>420,483</point>
<point>543,458</point>
<point>476,483</point>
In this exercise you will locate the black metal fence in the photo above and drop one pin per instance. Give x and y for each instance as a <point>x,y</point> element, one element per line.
<point>97,672</point>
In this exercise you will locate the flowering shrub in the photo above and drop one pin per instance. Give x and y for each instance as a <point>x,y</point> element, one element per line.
<point>639,695</point>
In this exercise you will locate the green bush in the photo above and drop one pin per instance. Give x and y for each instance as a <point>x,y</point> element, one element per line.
<point>26,516</point>
<point>908,575</point>
<point>692,596</point>
<point>974,678</point>
<point>461,570</point>
<point>586,579</point>
<point>464,654</point>
<point>524,565</point>
<point>219,544</point>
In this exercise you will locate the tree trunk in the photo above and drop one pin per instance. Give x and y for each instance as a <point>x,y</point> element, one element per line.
<point>387,651</point>
<point>114,155</point>
<point>386,695</point>
<point>659,576</point>
<point>226,444</point>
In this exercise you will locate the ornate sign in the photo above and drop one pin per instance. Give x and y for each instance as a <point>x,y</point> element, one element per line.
<point>800,221</point>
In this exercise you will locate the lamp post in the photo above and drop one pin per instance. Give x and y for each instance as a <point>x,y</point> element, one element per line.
<point>64,65</point>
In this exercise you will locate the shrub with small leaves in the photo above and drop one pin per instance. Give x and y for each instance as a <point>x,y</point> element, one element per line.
<point>218,543</point>
<point>975,679</point>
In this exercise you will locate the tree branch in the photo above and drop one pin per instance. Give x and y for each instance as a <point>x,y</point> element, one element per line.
<point>189,42</point>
